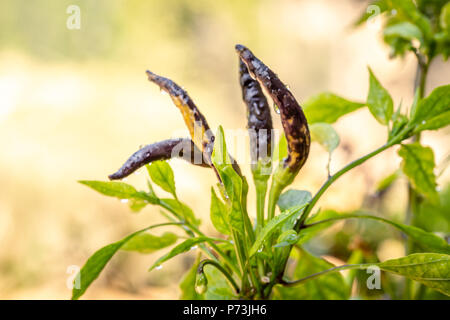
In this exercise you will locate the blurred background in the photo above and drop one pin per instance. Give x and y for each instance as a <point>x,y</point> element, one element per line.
<point>75,103</point>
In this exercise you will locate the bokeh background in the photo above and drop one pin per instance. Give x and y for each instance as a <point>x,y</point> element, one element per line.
<point>74,104</point>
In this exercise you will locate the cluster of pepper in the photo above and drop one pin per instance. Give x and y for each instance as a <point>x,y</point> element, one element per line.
<point>198,150</point>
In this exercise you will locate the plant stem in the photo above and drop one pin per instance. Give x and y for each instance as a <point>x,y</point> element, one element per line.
<point>261,190</point>
<point>202,246</point>
<point>413,197</point>
<point>203,263</point>
<point>318,274</point>
<point>336,176</point>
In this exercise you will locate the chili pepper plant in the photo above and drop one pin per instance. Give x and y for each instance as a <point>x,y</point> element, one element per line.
<point>266,258</point>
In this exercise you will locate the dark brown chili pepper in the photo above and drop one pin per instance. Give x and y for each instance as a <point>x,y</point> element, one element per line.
<point>195,121</point>
<point>199,130</point>
<point>259,120</point>
<point>292,116</point>
<point>181,148</point>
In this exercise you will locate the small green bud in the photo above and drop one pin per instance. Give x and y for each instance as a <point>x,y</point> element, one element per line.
<point>201,283</point>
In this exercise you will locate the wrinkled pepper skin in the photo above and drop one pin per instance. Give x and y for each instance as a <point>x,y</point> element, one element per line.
<point>292,117</point>
<point>163,150</point>
<point>195,121</point>
<point>199,130</point>
<point>259,120</point>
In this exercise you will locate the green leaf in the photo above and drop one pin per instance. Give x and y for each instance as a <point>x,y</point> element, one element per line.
<point>399,121</point>
<point>231,180</point>
<point>137,205</point>
<point>324,134</point>
<point>430,269</point>
<point>330,286</point>
<point>280,150</point>
<point>220,157</point>
<point>387,181</point>
<point>379,100</point>
<point>409,10</point>
<point>418,165</point>
<point>273,226</point>
<point>328,107</point>
<point>162,174</point>
<point>444,18</point>
<point>120,190</point>
<point>289,199</point>
<point>433,112</point>
<point>187,284</point>
<point>293,198</point>
<point>426,240</point>
<point>148,243</point>
<point>219,214</point>
<point>404,30</point>
<point>97,262</point>
<point>182,248</point>
<point>371,11</point>
<point>218,287</point>
<point>181,209</point>
<point>287,238</point>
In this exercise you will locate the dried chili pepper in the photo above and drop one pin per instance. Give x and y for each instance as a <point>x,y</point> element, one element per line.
<point>292,117</point>
<point>199,129</point>
<point>181,147</point>
<point>259,120</point>
<point>195,121</point>
<point>259,124</point>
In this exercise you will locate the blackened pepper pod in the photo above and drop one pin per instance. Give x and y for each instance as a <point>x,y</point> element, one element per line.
<point>292,117</point>
<point>163,150</point>
<point>259,124</point>
<point>199,129</point>
<point>195,121</point>
<point>259,120</point>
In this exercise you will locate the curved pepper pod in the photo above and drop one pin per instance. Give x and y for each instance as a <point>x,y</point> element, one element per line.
<point>199,130</point>
<point>292,117</point>
<point>259,120</point>
<point>163,150</point>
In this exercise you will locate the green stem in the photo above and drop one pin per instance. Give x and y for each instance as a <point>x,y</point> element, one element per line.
<point>274,194</point>
<point>230,279</point>
<point>413,197</point>
<point>261,190</point>
<point>318,274</point>
<point>300,223</point>
<point>260,178</point>
<point>193,228</point>
<point>336,176</point>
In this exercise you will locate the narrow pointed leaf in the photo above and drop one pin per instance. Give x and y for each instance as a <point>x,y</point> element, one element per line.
<point>182,248</point>
<point>272,226</point>
<point>218,214</point>
<point>97,262</point>
<point>148,243</point>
